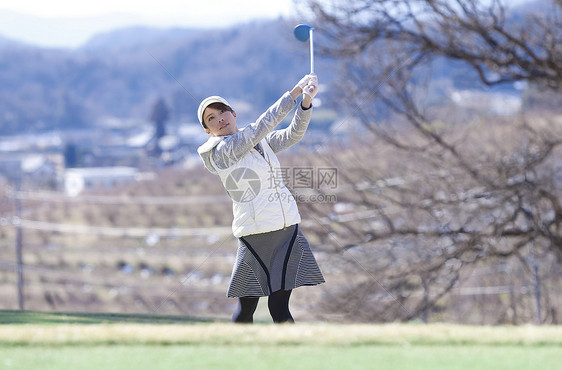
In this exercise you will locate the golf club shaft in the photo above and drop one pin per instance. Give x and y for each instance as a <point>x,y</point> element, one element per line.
<point>311,52</point>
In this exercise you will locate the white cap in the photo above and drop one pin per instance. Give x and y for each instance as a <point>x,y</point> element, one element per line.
<point>208,101</point>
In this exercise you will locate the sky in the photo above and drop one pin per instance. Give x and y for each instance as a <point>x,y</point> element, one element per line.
<point>70,23</point>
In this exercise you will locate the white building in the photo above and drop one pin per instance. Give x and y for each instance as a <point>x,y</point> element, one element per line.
<point>78,179</point>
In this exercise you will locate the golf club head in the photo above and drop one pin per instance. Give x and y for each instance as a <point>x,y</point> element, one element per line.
<point>302,32</point>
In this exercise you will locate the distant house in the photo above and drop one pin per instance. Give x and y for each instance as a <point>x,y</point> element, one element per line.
<point>44,169</point>
<point>78,179</point>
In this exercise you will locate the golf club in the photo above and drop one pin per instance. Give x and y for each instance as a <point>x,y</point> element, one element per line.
<point>303,32</point>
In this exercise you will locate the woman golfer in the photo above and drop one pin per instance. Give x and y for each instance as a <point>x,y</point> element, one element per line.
<point>273,255</point>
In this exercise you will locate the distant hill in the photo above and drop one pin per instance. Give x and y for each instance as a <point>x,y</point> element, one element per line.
<point>6,42</point>
<point>129,39</point>
<point>59,32</point>
<point>122,73</point>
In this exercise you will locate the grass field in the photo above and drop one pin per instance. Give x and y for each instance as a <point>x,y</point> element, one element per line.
<point>39,340</point>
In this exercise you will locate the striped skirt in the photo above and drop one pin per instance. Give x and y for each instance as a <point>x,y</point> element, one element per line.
<point>268,262</point>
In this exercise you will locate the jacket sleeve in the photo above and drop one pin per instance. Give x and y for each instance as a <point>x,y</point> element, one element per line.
<point>282,139</point>
<point>230,149</point>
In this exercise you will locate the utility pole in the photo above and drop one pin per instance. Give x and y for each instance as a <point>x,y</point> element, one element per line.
<point>19,241</point>
<point>536,284</point>
<point>537,289</point>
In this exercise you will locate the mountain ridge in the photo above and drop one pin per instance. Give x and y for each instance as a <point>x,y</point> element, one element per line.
<point>122,73</point>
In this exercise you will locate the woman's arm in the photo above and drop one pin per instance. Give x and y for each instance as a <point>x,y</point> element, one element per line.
<point>283,139</point>
<point>227,150</point>
<point>233,147</point>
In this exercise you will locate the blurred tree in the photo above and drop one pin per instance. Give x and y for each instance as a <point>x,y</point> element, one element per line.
<point>70,155</point>
<point>442,199</point>
<point>500,45</point>
<point>159,116</point>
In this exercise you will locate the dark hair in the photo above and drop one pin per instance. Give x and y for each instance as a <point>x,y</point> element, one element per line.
<point>217,105</point>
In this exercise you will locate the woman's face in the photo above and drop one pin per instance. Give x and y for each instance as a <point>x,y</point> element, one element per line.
<point>220,122</point>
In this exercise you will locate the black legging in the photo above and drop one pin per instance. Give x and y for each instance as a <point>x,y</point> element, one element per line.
<point>278,304</point>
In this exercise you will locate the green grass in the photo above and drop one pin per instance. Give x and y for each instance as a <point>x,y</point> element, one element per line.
<point>46,318</point>
<point>41,340</point>
<point>279,357</point>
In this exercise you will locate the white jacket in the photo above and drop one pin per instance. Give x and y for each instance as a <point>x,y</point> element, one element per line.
<point>260,200</point>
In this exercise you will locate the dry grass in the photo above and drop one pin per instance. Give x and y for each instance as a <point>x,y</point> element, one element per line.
<point>268,334</point>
